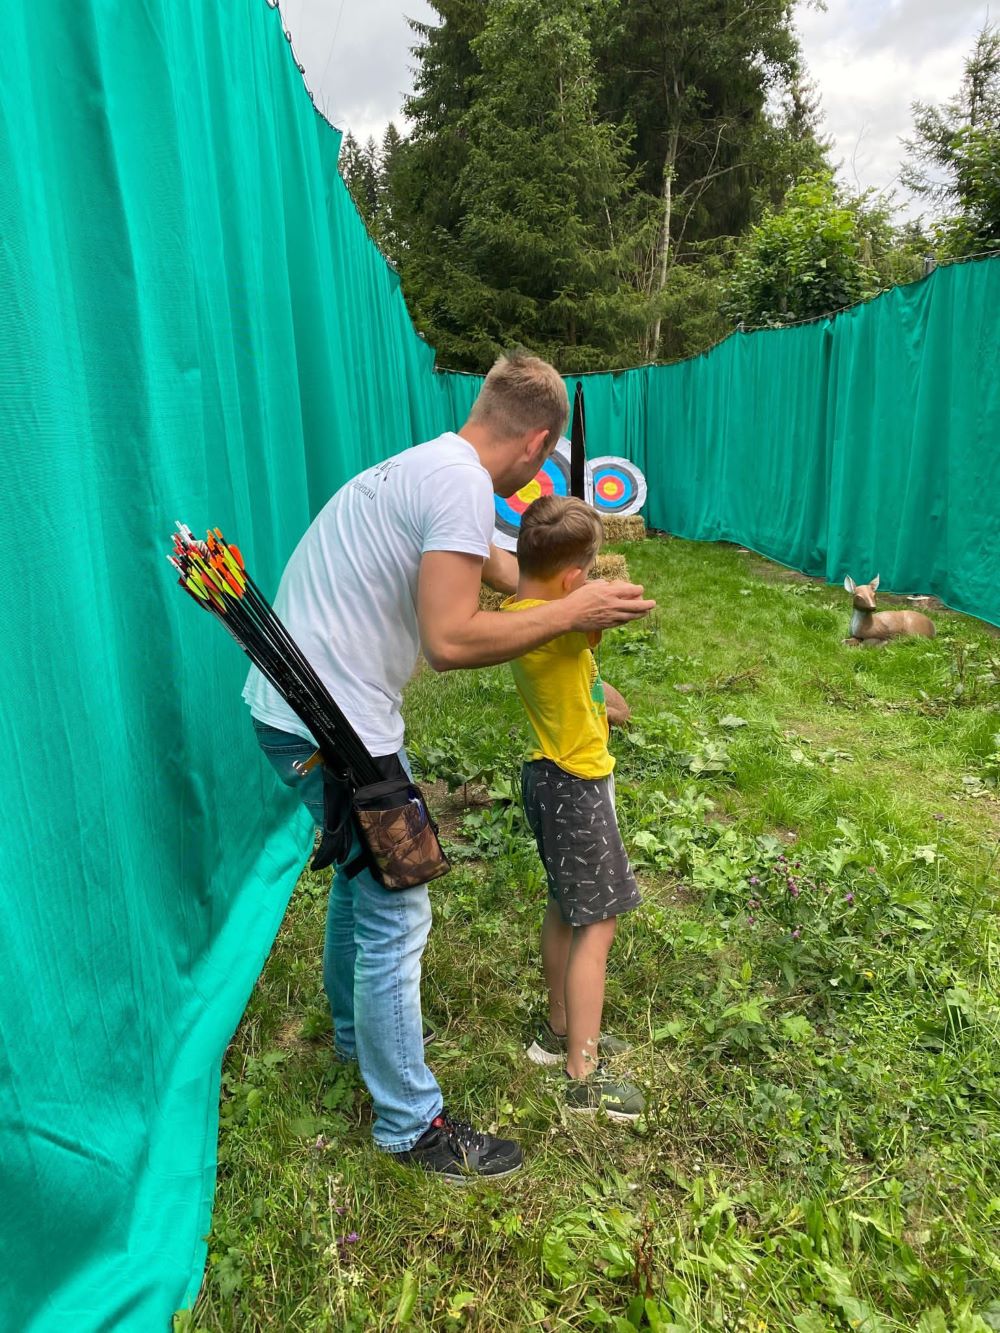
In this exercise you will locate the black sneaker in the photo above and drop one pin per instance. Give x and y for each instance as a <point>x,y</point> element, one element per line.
<point>600,1092</point>
<point>429,1034</point>
<point>453,1149</point>
<point>549,1048</point>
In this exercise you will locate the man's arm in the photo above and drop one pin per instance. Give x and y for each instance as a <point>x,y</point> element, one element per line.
<point>454,633</point>
<point>500,571</point>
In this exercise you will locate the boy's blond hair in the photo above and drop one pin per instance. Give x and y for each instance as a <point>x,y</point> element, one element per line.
<point>522,393</point>
<point>558,532</point>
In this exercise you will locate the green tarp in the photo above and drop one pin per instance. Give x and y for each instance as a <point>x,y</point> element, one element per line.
<point>194,325</point>
<point>865,444</point>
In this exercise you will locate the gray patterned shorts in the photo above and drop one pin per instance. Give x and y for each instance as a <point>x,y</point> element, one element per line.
<point>574,823</point>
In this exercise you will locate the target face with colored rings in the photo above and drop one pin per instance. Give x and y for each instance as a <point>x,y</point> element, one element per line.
<point>552,479</point>
<point>619,486</point>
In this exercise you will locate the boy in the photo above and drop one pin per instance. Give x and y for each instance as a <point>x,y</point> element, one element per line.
<point>569,801</point>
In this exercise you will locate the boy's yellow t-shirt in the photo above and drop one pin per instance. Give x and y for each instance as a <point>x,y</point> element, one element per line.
<point>563,695</point>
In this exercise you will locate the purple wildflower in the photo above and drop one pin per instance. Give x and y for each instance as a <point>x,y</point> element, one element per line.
<point>796,933</point>
<point>848,897</point>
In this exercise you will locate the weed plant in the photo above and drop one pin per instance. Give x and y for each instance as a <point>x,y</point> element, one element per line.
<point>812,987</point>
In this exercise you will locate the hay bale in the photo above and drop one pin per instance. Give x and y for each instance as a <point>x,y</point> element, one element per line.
<point>610,566</point>
<point>629,528</point>
<point>606,566</point>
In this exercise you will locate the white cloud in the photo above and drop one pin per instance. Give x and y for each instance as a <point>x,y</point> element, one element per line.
<point>357,57</point>
<point>871,61</point>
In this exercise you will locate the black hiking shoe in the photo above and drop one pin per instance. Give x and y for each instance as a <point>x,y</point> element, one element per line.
<point>600,1092</point>
<point>453,1149</point>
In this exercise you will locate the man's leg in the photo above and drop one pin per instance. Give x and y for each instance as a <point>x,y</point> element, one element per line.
<point>371,971</point>
<point>339,954</point>
<point>390,931</point>
<point>284,750</point>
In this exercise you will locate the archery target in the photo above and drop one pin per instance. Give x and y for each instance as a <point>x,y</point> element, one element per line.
<point>552,479</point>
<point>619,487</point>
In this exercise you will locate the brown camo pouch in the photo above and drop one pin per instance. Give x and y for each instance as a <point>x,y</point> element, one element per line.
<point>399,834</point>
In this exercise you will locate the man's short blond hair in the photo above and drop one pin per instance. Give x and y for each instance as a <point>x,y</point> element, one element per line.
<point>558,532</point>
<point>522,393</point>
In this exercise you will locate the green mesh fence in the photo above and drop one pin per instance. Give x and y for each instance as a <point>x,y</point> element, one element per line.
<point>194,325</point>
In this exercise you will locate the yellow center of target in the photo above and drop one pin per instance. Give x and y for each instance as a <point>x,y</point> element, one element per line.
<point>611,488</point>
<point>530,492</point>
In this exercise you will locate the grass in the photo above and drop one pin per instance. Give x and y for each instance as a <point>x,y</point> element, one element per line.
<point>812,986</point>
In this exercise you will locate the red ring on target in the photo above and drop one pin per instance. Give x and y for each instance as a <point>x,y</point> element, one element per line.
<point>552,479</point>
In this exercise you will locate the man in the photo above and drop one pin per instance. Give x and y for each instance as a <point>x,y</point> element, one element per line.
<point>393,563</point>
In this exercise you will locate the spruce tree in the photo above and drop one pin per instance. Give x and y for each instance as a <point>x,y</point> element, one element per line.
<point>954,155</point>
<point>535,241</point>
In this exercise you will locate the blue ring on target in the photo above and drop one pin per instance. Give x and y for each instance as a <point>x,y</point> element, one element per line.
<point>551,479</point>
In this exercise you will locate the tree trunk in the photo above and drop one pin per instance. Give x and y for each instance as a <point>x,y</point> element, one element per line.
<point>664,252</point>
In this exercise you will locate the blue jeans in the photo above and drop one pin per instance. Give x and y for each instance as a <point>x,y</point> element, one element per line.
<point>375,938</point>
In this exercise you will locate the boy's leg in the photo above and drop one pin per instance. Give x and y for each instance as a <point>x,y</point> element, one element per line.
<point>585,972</point>
<point>557,935</point>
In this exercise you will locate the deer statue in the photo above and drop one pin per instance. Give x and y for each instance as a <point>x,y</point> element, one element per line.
<point>875,628</point>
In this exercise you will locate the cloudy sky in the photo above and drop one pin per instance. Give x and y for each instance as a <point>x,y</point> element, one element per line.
<point>869,59</point>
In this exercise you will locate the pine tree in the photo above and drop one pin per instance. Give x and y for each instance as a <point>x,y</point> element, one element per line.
<point>388,229</point>
<point>954,155</point>
<point>351,167</point>
<point>532,240</point>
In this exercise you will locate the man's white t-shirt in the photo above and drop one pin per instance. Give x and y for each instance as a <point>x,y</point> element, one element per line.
<point>348,595</point>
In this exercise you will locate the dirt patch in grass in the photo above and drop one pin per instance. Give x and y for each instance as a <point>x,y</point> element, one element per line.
<point>448,807</point>
<point>765,569</point>
<point>289,1036</point>
<point>665,890</point>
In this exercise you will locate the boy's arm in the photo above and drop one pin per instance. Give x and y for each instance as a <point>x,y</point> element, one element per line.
<point>454,633</point>
<point>618,710</point>
<point>500,571</point>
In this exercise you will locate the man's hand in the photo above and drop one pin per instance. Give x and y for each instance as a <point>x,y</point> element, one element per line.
<point>601,605</point>
<point>455,634</point>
